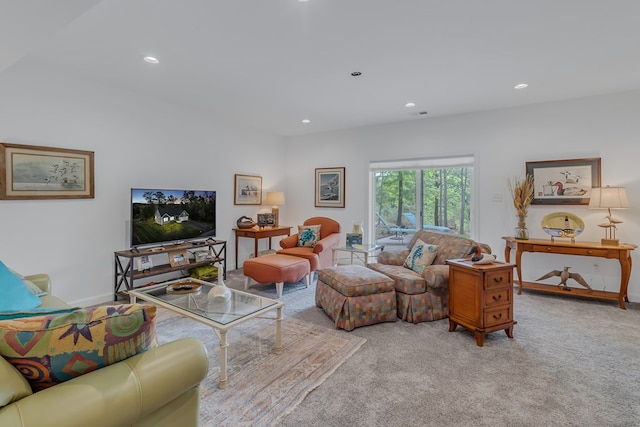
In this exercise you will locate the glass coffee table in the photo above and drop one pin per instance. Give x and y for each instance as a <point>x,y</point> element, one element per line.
<point>189,298</point>
<point>356,251</point>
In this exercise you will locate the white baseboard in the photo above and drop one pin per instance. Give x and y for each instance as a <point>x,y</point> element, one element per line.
<point>100,299</point>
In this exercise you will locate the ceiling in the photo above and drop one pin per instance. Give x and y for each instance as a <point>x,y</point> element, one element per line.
<point>269,64</point>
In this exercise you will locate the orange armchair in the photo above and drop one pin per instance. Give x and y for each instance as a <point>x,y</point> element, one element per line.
<point>321,255</point>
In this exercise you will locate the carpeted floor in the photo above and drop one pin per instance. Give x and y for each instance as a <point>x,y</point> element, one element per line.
<point>572,362</point>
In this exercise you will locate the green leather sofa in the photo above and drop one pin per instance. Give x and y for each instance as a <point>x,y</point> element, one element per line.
<point>159,388</point>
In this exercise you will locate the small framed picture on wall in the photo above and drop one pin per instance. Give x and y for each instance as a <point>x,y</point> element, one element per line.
<point>248,190</point>
<point>329,187</point>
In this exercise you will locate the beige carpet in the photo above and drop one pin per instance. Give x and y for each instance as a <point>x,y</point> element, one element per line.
<point>262,386</point>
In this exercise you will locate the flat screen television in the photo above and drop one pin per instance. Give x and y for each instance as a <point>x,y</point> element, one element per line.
<point>161,216</point>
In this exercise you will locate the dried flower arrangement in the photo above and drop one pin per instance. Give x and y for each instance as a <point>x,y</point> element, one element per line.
<point>522,194</point>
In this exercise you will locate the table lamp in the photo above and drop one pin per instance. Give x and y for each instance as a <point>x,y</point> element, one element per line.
<point>275,199</point>
<point>609,198</point>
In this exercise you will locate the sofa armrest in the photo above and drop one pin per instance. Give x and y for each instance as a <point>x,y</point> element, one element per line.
<point>436,276</point>
<point>392,258</point>
<point>43,281</point>
<point>118,394</point>
<point>289,241</point>
<point>13,385</point>
<point>331,241</point>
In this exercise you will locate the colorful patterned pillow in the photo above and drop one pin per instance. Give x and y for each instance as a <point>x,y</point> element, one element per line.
<point>421,255</point>
<point>54,348</point>
<point>308,235</point>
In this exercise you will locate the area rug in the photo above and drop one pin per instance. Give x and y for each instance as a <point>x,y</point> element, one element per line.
<point>262,386</point>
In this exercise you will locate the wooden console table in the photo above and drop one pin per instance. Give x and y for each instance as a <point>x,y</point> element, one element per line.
<point>258,233</point>
<point>621,252</point>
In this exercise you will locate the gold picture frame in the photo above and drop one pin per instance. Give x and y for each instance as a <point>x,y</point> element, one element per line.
<point>247,190</point>
<point>36,172</point>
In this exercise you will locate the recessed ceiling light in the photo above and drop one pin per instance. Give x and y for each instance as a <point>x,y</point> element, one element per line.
<point>151,59</point>
<point>303,1</point>
<point>306,121</point>
<point>521,86</point>
<point>409,104</point>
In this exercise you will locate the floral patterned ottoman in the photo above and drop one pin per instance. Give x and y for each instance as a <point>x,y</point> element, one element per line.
<point>354,296</point>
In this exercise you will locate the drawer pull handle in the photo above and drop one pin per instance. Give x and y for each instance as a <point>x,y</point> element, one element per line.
<point>497,316</point>
<point>498,279</point>
<point>497,297</point>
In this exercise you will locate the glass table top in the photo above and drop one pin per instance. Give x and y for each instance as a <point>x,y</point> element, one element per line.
<point>359,248</point>
<point>239,305</point>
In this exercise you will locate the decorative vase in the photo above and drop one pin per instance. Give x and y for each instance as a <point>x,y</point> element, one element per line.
<point>219,292</point>
<point>521,232</point>
<point>357,227</point>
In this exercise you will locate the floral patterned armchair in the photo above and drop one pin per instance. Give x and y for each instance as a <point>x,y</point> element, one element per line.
<point>425,297</point>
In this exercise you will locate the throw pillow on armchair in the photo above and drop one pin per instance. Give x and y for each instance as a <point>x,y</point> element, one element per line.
<point>308,235</point>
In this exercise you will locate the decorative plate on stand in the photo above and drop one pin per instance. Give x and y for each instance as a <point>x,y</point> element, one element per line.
<point>562,224</point>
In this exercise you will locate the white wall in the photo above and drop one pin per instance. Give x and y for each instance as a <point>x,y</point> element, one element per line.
<point>144,142</point>
<point>501,141</point>
<point>138,142</point>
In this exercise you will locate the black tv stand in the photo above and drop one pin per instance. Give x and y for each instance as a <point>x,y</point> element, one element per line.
<point>125,272</point>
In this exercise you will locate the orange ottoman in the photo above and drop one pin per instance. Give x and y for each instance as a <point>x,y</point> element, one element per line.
<point>276,269</point>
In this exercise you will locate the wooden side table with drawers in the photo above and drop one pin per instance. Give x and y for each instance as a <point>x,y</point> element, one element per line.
<point>481,297</point>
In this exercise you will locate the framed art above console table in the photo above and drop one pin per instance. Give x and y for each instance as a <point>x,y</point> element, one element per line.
<point>564,182</point>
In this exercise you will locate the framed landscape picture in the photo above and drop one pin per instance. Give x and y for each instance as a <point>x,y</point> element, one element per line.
<point>35,172</point>
<point>248,190</point>
<point>564,182</point>
<point>329,187</point>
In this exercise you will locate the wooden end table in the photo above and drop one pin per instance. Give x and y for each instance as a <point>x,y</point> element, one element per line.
<point>481,297</point>
<point>256,233</point>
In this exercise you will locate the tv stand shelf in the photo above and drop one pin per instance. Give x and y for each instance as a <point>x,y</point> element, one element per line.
<point>125,272</point>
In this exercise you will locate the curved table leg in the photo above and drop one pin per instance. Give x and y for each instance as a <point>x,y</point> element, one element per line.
<point>519,269</point>
<point>625,274</point>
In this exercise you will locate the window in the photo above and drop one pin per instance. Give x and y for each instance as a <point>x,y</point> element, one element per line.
<point>411,195</point>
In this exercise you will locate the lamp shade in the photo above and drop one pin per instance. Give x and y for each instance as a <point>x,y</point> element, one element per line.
<point>608,198</point>
<point>275,198</point>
